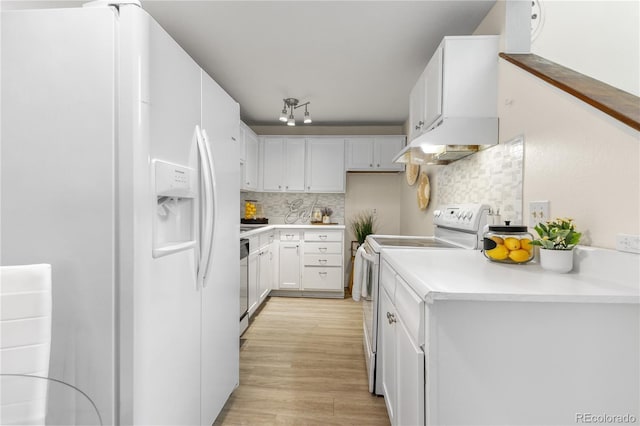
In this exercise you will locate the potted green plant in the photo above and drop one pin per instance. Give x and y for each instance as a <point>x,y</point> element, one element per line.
<point>362,225</point>
<point>557,239</point>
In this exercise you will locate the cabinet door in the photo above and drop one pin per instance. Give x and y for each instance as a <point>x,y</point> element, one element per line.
<point>254,267</point>
<point>433,89</point>
<point>266,274</point>
<point>359,154</point>
<point>325,165</point>
<point>272,164</point>
<point>385,150</point>
<point>243,150</point>
<point>289,266</point>
<point>294,164</point>
<point>388,349</point>
<point>250,168</point>
<point>409,378</point>
<point>416,108</point>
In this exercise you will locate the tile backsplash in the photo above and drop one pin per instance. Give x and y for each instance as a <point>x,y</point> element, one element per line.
<point>492,176</point>
<point>294,208</point>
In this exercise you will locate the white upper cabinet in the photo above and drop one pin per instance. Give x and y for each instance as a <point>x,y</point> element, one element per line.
<point>283,162</point>
<point>459,81</point>
<point>373,153</point>
<point>325,170</point>
<point>417,108</point>
<point>249,164</point>
<point>433,89</point>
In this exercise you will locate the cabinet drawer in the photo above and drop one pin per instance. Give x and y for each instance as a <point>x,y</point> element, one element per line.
<point>410,308</point>
<point>323,236</point>
<point>320,278</point>
<point>266,238</point>
<point>322,248</point>
<point>289,235</point>
<point>323,259</point>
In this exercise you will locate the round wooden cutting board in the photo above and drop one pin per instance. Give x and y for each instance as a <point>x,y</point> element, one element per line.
<point>411,173</point>
<point>424,191</point>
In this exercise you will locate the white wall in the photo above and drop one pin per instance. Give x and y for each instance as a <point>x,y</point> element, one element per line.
<point>414,221</point>
<point>583,161</point>
<point>368,191</point>
<point>598,38</point>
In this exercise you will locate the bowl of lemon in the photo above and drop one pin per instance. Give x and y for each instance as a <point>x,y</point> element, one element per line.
<point>508,244</point>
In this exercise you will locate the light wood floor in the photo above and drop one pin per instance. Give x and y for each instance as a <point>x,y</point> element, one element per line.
<point>302,363</point>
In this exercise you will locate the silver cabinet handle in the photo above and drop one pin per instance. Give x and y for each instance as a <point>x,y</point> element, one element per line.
<point>370,164</point>
<point>322,237</point>
<point>378,165</point>
<point>322,249</point>
<point>308,187</point>
<point>232,138</point>
<point>322,273</point>
<point>279,186</point>
<point>322,261</point>
<point>298,250</point>
<point>421,123</point>
<point>391,317</point>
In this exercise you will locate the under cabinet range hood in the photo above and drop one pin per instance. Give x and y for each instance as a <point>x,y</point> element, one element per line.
<point>450,139</point>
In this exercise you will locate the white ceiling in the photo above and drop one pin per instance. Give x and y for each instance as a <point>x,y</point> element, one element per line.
<point>355,61</point>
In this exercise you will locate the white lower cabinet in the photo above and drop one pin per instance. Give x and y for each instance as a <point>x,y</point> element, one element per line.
<point>388,349</point>
<point>266,261</point>
<point>302,261</point>
<point>403,359</point>
<point>289,260</point>
<point>254,265</point>
<point>323,260</point>
<point>261,268</point>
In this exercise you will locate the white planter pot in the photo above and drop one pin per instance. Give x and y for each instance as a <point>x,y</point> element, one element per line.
<point>556,260</point>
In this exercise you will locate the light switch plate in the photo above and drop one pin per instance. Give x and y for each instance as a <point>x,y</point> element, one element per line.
<point>628,243</point>
<point>538,212</point>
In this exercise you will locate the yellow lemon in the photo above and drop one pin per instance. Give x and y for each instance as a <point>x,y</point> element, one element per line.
<point>512,243</point>
<point>500,252</point>
<point>498,240</point>
<point>525,244</point>
<point>519,256</point>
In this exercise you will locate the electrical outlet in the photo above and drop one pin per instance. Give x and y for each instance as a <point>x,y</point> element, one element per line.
<point>374,211</point>
<point>538,212</point>
<point>628,243</point>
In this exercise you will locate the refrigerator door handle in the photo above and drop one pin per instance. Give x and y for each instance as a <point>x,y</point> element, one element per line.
<point>205,238</point>
<point>214,211</point>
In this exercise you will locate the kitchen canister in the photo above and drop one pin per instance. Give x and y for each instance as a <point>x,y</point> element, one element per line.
<point>508,244</point>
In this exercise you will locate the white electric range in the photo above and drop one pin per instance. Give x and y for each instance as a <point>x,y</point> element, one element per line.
<point>456,227</point>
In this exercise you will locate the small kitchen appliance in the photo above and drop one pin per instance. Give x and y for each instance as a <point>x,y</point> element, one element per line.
<point>456,227</point>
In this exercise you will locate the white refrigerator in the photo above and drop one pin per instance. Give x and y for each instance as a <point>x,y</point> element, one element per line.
<point>119,167</point>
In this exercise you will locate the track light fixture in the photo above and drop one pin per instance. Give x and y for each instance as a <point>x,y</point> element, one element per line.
<point>292,104</point>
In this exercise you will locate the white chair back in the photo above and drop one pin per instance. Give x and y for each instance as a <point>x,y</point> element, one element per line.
<point>25,342</point>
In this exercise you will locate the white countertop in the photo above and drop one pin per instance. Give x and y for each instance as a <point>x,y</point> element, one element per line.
<point>468,275</point>
<point>258,229</point>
